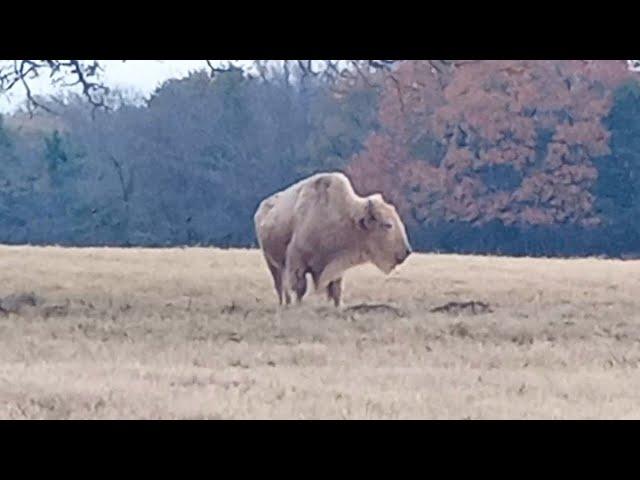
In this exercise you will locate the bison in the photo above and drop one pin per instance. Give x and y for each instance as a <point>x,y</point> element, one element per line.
<point>320,226</point>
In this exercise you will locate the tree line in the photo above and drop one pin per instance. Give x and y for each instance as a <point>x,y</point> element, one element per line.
<point>511,157</point>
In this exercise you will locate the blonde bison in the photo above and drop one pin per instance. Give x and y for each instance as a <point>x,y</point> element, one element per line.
<point>322,227</point>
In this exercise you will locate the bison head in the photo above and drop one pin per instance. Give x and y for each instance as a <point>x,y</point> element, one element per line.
<point>385,236</point>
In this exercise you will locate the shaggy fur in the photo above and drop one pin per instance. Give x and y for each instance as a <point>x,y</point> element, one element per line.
<point>320,226</point>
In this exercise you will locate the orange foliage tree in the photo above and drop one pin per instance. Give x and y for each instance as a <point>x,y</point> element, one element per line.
<point>508,140</point>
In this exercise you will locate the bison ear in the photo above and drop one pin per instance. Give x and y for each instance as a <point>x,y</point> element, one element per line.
<point>368,220</point>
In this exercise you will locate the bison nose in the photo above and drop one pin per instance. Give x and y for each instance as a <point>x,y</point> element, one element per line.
<point>400,259</point>
<point>409,251</point>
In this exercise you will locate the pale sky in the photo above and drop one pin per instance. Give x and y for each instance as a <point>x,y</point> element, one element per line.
<point>141,75</point>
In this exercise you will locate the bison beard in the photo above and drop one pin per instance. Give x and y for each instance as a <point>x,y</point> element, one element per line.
<point>320,226</point>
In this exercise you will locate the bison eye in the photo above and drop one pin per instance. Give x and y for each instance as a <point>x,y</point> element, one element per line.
<point>387,226</point>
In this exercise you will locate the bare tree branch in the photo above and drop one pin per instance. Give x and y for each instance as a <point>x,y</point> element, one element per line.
<point>339,74</point>
<point>213,70</point>
<point>67,73</point>
<point>84,74</point>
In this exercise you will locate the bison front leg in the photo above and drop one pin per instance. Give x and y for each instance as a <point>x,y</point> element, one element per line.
<point>299,285</point>
<point>295,274</point>
<point>334,291</point>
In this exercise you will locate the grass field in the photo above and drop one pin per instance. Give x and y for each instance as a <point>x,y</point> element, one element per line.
<point>196,334</point>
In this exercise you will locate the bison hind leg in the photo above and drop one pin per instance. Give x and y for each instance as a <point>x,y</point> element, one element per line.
<point>276,273</point>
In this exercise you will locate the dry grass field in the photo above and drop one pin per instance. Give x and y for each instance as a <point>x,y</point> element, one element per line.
<point>196,334</point>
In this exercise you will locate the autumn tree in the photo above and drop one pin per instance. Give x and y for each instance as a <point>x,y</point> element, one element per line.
<point>506,141</point>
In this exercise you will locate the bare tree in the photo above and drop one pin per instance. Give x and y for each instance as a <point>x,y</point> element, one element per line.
<point>66,73</point>
<point>329,70</point>
<point>86,74</point>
